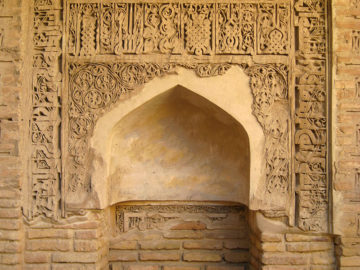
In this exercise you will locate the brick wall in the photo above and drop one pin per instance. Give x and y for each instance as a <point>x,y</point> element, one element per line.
<point>189,241</point>
<point>11,172</point>
<point>77,243</point>
<point>288,248</point>
<point>346,131</point>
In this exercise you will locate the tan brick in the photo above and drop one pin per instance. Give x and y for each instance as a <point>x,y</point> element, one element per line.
<point>9,235</point>
<point>9,203</point>
<point>308,247</point>
<point>38,267</point>
<point>182,268</point>
<point>9,224</point>
<point>48,233</point>
<point>271,237</point>
<point>73,266</point>
<point>203,244</point>
<point>237,257</point>
<point>285,267</point>
<point>160,256</point>
<point>183,234</point>
<point>9,259</point>
<point>322,258</point>
<point>123,245</point>
<point>189,225</point>
<point>9,212</point>
<point>88,234</point>
<point>354,250</point>
<point>74,257</point>
<point>141,267</point>
<point>324,267</point>
<point>202,257</point>
<point>280,258</point>
<point>86,225</point>
<point>9,246</point>
<point>236,244</point>
<point>160,244</point>
<point>273,246</point>
<point>48,244</point>
<point>227,267</point>
<point>219,234</point>
<point>350,261</point>
<point>307,238</point>
<point>123,256</point>
<point>86,245</point>
<point>37,257</point>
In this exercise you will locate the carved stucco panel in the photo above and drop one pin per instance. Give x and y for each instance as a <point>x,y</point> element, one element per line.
<point>225,33</point>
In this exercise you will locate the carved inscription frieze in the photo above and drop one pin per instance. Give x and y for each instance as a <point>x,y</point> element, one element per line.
<point>149,217</point>
<point>311,116</point>
<point>45,116</point>
<point>179,28</point>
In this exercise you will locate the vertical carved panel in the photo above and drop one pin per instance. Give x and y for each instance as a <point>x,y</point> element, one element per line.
<point>235,28</point>
<point>311,117</point>
<point>198,28</point>
<point>162,28</point>
<point>269,85</point>
<point>45,118</point>
<point>273,28</point>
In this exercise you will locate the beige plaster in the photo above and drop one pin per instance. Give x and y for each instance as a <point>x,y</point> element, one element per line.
<point>179,146</point>
<point>230,92</point>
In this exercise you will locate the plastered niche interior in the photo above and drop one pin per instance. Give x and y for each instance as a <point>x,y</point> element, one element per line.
<point>179,146</point>
<point>192,162</point>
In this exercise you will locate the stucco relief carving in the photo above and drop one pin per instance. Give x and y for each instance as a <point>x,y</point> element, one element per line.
<point>45,112</point>
<point>269,86</point>
<point>148,217</point>
<point>95,88</point>
<point>257,30</point>
<point>178,28</point>
<point>311,116</point>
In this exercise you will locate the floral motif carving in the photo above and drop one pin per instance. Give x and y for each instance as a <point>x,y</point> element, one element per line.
<point>273,28</point>
<point>236,28</point>
<point>93,89</point>
<point>270,90</point>
<point>178,28</point>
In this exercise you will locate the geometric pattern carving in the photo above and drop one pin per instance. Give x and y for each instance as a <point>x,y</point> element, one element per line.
<point>178,28</point>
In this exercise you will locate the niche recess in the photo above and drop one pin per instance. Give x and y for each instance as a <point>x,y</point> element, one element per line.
<point>179,170</point>
<point>179,146</point>
<point>183,138</point>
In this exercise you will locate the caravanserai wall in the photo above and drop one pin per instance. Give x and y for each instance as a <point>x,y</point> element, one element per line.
<point>51,49</point>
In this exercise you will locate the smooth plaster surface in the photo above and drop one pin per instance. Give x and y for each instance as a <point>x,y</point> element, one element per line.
<point>179,146</point>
